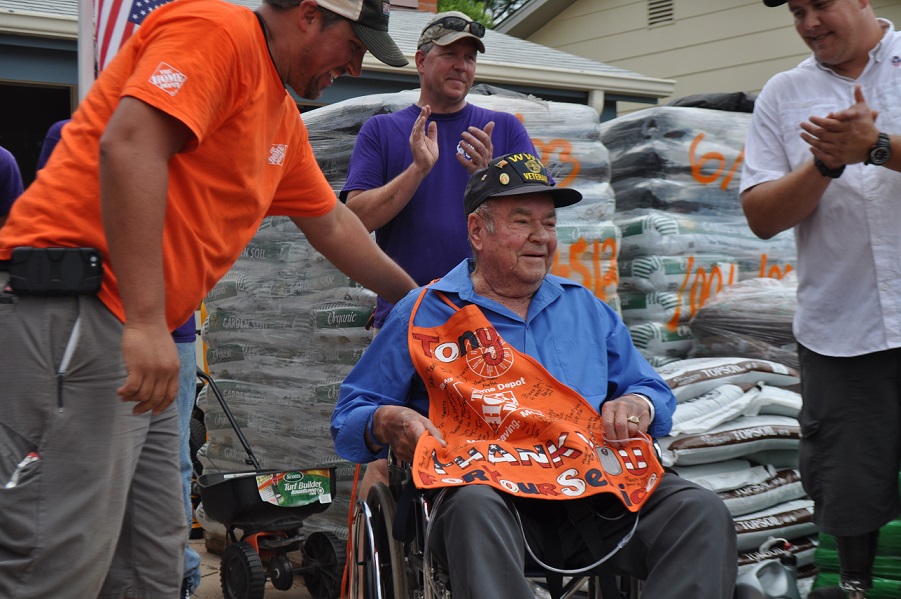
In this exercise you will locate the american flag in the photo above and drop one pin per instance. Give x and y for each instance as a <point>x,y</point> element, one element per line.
<point>116,21</point>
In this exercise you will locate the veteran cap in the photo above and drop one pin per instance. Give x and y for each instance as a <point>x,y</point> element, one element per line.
<point>772,3</point>
<point>514,174</point>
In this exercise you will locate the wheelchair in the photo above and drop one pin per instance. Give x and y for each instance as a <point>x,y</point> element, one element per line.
<point>382,566</point>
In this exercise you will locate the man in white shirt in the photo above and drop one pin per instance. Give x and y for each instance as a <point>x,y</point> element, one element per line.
<point>823,156</point>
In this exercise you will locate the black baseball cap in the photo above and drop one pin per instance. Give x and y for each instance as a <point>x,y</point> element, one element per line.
<point>772,3</point>
<point>514,174</point>
<point>369,19</point>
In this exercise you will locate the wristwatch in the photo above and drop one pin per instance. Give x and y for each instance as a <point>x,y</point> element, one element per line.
<point>832,173</point>
<point>881,152</point>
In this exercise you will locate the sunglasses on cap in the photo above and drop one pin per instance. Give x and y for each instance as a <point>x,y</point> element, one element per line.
<point>460,24</point>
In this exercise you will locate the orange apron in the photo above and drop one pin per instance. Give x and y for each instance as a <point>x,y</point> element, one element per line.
<point>510,424</point>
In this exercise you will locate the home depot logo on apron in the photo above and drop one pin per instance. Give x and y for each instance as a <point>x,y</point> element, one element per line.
<point>510,424</point>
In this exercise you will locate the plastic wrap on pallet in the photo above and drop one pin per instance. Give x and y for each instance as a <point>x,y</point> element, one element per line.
<point>682,159</point>
<point>693,277</point>
<point>283,329</point>
<point>649,232</point>
<point>752,318</point>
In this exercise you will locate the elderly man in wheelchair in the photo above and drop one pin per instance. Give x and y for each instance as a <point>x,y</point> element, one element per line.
<point>518,398</point>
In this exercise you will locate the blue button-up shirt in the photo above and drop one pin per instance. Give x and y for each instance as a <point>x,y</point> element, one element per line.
<point>578,339</point>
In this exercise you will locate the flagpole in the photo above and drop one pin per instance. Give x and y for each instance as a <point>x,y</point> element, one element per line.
<point>85,47</point>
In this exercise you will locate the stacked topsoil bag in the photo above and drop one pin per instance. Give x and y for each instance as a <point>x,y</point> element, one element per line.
<point>284,326</point>
<point>735,431</point>
<point>675,173</point>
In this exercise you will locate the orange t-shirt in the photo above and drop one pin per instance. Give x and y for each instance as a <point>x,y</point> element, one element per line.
<point>206,63</point>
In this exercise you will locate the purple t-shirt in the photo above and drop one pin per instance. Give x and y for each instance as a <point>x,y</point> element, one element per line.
<point>428,237</point>
<point>186,333</point>
<point>10,181</point>
<point>50,140</point>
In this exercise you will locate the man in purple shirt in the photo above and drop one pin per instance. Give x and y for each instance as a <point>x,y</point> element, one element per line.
<point>10,182</point>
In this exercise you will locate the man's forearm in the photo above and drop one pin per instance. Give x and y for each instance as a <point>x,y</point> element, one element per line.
<point>779,205</point>
<point>133,218</point>
<point>376,207</point>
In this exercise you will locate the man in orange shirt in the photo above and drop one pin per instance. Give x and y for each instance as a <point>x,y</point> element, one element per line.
<point>186,141</point>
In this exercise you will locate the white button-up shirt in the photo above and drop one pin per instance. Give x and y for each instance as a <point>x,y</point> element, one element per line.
<point>849,249</point>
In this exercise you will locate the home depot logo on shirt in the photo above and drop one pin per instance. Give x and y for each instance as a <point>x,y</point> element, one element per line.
<point>277,154</point>
<point>167,78</point>
<point>486,353</point>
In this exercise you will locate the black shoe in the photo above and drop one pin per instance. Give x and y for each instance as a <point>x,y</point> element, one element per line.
<point>185,593</point>
<point>827,593</point>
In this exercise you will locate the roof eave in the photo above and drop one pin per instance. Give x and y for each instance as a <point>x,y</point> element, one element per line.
<point>538,76</point>
<point>531,17</point>
<point>38,24</point>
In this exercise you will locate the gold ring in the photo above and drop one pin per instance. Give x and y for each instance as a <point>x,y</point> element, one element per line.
<point>633,419</point>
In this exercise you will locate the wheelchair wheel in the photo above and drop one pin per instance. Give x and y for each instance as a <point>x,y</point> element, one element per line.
<point>379,567</point>
<point>391,555</point>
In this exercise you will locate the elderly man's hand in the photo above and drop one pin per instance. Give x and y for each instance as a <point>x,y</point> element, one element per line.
<point>401,428</point>
<point>624,417</point>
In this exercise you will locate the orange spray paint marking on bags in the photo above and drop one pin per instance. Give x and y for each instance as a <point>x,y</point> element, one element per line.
<point>603,275</point>
<point>510,424</point>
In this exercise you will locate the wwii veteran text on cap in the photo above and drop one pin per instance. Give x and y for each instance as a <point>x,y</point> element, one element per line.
<point>514,174</point>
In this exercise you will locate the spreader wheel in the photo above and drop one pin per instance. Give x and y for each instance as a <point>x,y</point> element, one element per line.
<point>241,571</point>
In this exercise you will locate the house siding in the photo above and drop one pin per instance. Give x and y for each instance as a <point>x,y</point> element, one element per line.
<point>709,47</point>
